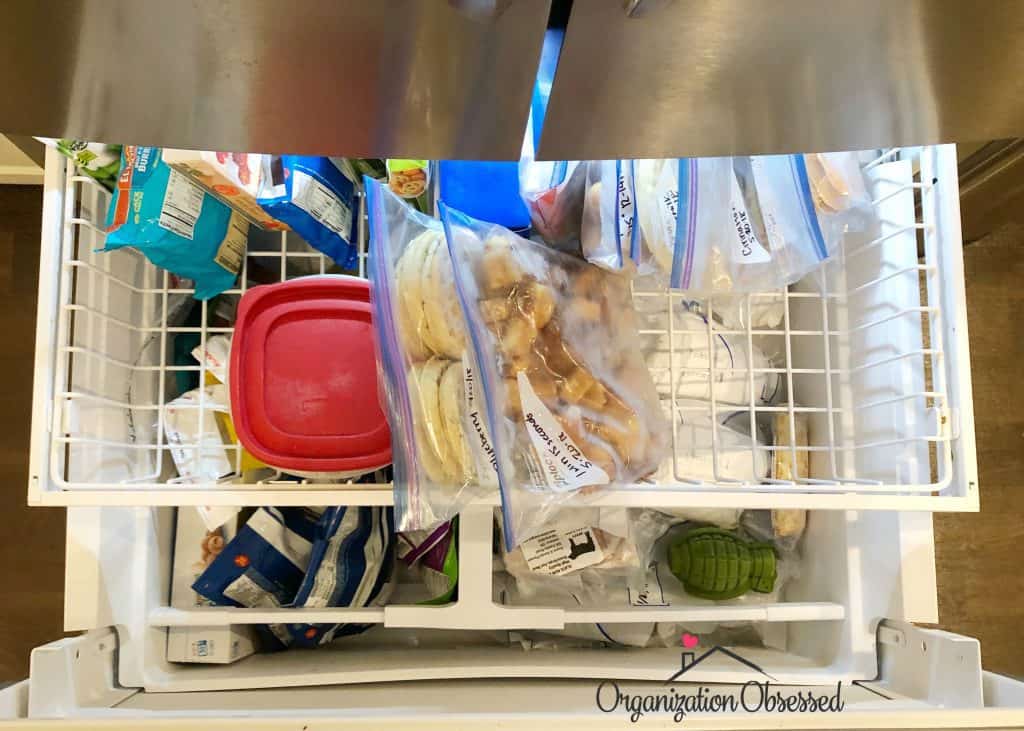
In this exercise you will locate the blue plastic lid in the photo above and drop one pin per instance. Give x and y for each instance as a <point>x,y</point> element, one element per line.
<point>488,191</point>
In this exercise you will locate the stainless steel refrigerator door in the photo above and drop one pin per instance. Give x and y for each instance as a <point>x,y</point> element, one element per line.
<point>391,78</point>
<point>671,78</point>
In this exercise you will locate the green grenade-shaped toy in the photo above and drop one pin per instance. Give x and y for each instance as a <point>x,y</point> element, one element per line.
<point>713,563</point>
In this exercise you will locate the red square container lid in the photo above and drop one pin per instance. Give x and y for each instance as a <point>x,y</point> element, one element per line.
<point>304,377</point>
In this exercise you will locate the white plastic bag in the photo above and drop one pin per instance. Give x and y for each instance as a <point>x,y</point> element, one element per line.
<point>704,451</point>
<point>690,358</point>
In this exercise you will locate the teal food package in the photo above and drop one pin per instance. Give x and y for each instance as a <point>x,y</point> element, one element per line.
<point>175,223</point>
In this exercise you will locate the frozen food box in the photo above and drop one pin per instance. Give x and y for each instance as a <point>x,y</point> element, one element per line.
<point>234,177</point>
<point>195,546</point>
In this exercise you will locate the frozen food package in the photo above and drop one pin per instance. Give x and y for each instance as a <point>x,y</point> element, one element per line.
<point>610,231</point>
<point>408,178</point>
<point>99,161</point>
<point>553,193</point>
<point>697,227</point>
<point>571,403</point>
<point>748,225</point>
<point>432,555</point>
<point>196,545</point>
<point>715,449</point>
<point>611,540</point>
<point>194,438</point>
<point>689,359</point>
<point>594,590</point>
<point>351,565</point>
<point>215,354</point>
<point>264,564</point>
<point>316,198</point>
<point>805,203</point>
<point>176,224</point>
<point>441,446</point>
<point>552,190</point>
<point>234,178</point>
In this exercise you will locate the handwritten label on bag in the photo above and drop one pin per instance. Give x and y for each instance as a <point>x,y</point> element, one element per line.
<point>626,205</point>
<point>564,465</point>
<point>481,446</point>
<point>667,190</point>
<point>561,552</point>
<point>746,248</point>
<point>648,592</point>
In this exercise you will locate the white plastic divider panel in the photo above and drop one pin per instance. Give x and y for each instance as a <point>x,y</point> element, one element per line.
<point>872,351</point>
<point>820,629</point>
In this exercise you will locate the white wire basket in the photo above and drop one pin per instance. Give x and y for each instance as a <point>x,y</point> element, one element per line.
<point>871,352</point>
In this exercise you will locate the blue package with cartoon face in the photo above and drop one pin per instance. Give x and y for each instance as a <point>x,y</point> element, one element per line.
<point>317,198</point>
<point>175,223</point>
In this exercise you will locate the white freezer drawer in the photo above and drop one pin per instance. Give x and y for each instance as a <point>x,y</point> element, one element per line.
<point>841,623</point>
<point>858,568</point>
<point>876,357</point>
<point>927,679</point>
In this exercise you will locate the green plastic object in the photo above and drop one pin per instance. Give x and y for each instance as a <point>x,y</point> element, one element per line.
<point>713,563</point>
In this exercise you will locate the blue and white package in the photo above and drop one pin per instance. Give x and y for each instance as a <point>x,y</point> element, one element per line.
<point>351,566</point>
<point>264,564</point>
<point>316,197</point>
<point>175,223</point>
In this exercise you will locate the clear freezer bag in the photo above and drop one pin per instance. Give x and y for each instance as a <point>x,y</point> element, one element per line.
<point>571,403</point>
<point>610,231</point>
<point>440,442</point>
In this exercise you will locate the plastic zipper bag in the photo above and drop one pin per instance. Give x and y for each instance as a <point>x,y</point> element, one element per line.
<point>551,190</point>
<point>806,204</point>
<point>441,447</point>
<point>570,401</point>
<point>610,230</point>
<point>689,359</point>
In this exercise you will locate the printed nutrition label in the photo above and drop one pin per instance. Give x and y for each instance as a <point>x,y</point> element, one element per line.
<point>183,201</point>
<point>321,203</point>
<point>232,248</point>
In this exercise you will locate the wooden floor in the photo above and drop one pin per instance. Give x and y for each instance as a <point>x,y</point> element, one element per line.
<point>979,556</point>
<point>981,585</point>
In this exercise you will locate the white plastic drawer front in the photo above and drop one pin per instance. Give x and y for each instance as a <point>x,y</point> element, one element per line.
<point>872,352</point>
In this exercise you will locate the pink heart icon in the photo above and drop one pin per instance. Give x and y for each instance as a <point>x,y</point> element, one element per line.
<point>690,641</point>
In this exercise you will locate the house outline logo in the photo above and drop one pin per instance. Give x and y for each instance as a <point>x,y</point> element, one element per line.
<point>687,662</point>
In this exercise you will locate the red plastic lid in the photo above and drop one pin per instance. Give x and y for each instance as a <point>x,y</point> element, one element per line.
<point>304,377</point>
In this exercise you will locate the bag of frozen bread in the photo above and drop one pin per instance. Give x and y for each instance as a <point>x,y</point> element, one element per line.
<point>440,443</point>
<point>571,403</point>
